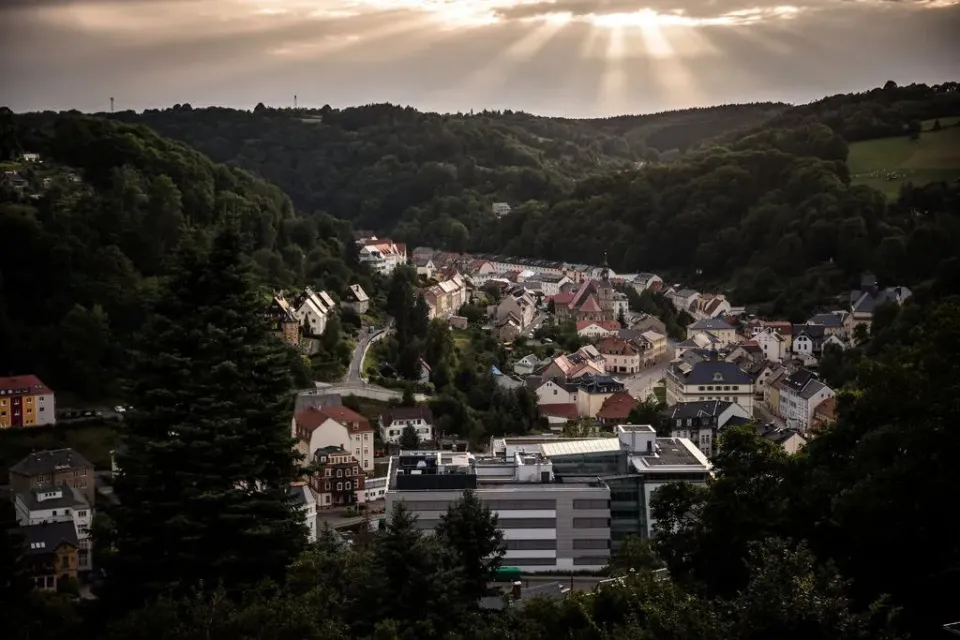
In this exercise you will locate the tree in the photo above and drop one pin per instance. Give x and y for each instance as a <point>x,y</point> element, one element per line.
<point>409,440</point>
<point>635,554</point>
<point>208,456</point>
<point>861,334</point>
<point>470,529</point>
<point>646,412</point>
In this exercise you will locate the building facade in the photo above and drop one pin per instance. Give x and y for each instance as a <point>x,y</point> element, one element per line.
<point>548,526</point>
<point>395,420</point>
<point>316,428</point>
<point>54,468</point>
<point>59,504</point>
<point>337,478</point>
<point>25,401</point>
<point>709,380</point>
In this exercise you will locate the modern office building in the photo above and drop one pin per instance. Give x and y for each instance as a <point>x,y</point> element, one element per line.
<point>633,465</point>
<point>548,525</point>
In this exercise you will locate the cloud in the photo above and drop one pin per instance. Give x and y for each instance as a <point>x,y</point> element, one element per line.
<point>559,57</point>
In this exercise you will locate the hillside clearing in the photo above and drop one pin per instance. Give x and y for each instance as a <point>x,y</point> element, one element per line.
<point>887,163</point>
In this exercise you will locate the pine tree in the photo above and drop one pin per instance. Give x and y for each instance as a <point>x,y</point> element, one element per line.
<point>409,440</point>
<point>471,530</point>
<point>208,454</point>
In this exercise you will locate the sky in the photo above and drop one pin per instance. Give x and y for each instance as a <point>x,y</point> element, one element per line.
<point>574,58</point>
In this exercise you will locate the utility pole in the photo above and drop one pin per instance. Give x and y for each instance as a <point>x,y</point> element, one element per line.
<point>111,105</point>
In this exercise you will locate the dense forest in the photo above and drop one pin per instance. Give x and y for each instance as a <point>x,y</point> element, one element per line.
<point>84,244</point>
<point>759,203</point>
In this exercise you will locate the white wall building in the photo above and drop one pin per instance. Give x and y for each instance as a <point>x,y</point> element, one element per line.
<point>382,255</point>
<point>395,420</point>
<point>800,394</point>
<point>306,501</point>
<point>59,504</point>
<point>315,428</point>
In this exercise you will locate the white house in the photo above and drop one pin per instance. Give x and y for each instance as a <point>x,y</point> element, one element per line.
<point>318,427</point>
<point>709,380</point>
<point>551,392</point>
<point>313,310</point>
<point>774,345</point>
<point>59,504</point>
<point>395,420</point>
<point>382,255</point>
<point>800,394</point>
<point>374,489</point>
<point>357,299</point>
<point>305,500</point>
<point>525,365</point>
<point>594,329</point>
<point>550,283</point>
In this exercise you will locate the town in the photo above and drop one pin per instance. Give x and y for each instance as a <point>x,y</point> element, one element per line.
<point>567,495</point>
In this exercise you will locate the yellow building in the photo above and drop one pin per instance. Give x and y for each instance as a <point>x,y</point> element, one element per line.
<point>26,402</point>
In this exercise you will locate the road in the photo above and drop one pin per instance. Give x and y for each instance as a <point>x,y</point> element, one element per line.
<point>536,324</point>
<point>639,385</point>
<point>574,583</point>
<point>355,371</point>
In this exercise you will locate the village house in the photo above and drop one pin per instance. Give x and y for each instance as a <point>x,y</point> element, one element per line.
<point>549,283</point>
<point>54,468</point>
<point>59,504</point>
<point>657,344</point>
<point>800,394</point>
<point>713,305</point>
<point>643,281</point>
<point>593,391</point>
<point>558,415</point>
<point>313,310</point>
<point>585,361</point>
<point>832,323</point>
<point>315,428</point>
<point>284,319</point>
<point>594,329</point>
<point>864,301</point>
<point>25,401</point>
<point>395,420</point>
<point>684,300</point>
<point>508,329</point>
<point>772,344</point>
<point>645,322</point>
<point>553,392</point>
<point>825,413</point>
<point>773,387</point>
<point>445,298</point>
<point>424,266</point>
<point>702,421</point>
<point>518,305</point>
<point>808,340</point>
<point>13,181</point>
<point>620,356</point>
<point>526,365</point>
<point>357,299</point>
<point>304,499</point>
<point>592,300</point>
<point>708,380</point>
<point>789,439</point>
<point>716,327</point>
<point>698,341</point>
<point>50,553</point>
<point>382,254</point>
<point>337,478</point>
<point>616,409</point>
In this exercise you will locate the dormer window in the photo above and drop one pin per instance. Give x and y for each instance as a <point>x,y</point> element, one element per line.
<point>718,377</point>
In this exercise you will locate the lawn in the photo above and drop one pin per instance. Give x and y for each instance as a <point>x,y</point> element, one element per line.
<point>887,163</point>
<point>93,441</point>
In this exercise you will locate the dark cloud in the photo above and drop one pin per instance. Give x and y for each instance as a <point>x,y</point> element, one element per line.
<point>225,52</point>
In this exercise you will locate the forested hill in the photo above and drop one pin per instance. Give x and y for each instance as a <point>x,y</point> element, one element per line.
<point>85,239</point>
<point>427,177</point>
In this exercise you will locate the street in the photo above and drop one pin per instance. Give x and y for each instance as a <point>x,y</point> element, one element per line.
<point>640,385</point>
<point>536,324</point>
<point>355,371</point>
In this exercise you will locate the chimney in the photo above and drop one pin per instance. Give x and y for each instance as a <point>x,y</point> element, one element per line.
<point>515,592</point>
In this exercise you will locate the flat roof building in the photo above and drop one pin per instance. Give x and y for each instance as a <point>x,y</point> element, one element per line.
<point>548,524</point>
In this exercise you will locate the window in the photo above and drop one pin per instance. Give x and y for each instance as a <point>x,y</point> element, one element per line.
<point>529,523</point>
<point>327,473</point>
<point>358,452</point>
<point>528,562</point>
<point>591,504</point>
<point>346,472</point>
<point>54,512</point>
<point>591,523</point>
<point>356,471</point>
<point>339,473</point>
<point>339,486</point>
<point>347,486</point>
<point>326,486</point>
<point>531,544</point>
<point>592,560</point>
<point>591,543</point>
<point>700,388</point>
<point>726,388</point>
<point>366,436</point>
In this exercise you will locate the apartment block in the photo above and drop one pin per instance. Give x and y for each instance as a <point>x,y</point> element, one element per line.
<point>25,401</point>
<point>547,525</point>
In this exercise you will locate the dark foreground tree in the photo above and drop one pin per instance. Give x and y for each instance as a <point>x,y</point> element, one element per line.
<point>208,456</point>
<point>409,440</point>
<point>472,531</point>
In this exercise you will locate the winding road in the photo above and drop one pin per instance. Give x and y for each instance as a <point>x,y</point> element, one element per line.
<point>355,371</point>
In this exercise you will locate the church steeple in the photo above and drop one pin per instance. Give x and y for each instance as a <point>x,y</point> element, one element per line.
<point>605,273</point>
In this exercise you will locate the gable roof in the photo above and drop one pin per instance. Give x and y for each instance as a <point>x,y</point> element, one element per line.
<point>700,409</point>
<point>590,305</point>
<point>313,417</point>
<point>358,293</point>
<point>608,325</point>
<point>28,384</point>
<point>617,347</point>
<point>713,371</point>
<point>566,410</point>
<point>832,320</point>
<point>41,539</point>
<point>420,412</point>
<point>48,461</point>
<point>705,324</point>
<point>617,407</point>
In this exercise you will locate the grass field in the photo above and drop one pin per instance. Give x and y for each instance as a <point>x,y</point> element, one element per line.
<point>93,441</point>
<point>887,163</point>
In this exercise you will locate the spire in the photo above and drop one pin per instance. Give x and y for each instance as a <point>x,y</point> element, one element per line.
<point>605,273</point>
